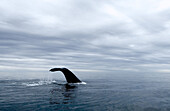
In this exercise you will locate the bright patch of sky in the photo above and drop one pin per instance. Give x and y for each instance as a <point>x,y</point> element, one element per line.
<point>91,35</point>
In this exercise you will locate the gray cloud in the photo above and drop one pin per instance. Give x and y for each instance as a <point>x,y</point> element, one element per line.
<point>85,35</point>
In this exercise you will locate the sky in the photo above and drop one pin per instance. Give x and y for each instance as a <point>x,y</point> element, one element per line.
<point>84,35</point>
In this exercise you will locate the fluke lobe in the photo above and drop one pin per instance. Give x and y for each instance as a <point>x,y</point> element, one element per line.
<point>70,77</point>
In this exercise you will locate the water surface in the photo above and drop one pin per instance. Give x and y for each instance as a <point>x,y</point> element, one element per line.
<point>114,92</point>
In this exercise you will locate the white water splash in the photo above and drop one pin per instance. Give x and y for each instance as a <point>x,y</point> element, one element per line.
<point>82,83</point>
<point>38,83</point>
<point>79,83</point>
<point>44,82</point>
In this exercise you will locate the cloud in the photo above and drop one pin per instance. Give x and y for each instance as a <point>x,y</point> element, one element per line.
<point>84,35</point>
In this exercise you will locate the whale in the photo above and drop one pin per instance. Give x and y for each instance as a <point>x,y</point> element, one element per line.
<point>70,77</point>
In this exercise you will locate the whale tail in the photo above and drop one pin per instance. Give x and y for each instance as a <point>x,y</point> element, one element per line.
<point>70,77</point>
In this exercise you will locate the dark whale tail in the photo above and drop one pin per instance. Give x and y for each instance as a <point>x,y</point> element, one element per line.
<point>70,77</point>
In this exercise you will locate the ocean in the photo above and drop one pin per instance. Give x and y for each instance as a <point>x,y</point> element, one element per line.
<point>109,92</point>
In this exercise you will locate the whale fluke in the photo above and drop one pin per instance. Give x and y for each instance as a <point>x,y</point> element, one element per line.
<point>70,77</point>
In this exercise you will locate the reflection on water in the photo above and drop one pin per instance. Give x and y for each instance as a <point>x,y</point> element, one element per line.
<point>137,92</point>
<point>65,94</point>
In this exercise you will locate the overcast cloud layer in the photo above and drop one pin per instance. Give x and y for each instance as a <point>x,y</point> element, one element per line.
<point>85,35</point>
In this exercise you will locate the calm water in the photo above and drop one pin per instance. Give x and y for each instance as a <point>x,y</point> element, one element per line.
<point>123,92</point>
